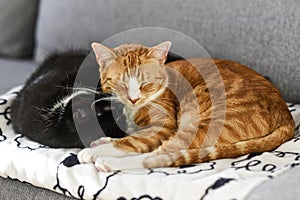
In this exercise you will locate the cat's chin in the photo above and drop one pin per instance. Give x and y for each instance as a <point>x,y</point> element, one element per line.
<point>135,106</point>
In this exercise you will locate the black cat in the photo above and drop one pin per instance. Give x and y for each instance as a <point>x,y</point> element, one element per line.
<point>52,110</point>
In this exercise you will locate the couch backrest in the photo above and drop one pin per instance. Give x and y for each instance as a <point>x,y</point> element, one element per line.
<point>262,34</point>
<point>17,25</point>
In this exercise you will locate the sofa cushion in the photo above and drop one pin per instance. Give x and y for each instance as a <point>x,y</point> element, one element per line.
<point>72,24</point>
<point>14,189</point>
<point>14,72</point>
<point>17,23</point>
<point>260,34</point>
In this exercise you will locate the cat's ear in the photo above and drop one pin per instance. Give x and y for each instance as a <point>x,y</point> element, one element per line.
<point>160,52</point>
<point>104,55</point>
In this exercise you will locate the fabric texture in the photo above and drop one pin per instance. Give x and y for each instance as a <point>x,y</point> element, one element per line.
<point>60,171</point>
<point>17,26</point>
<point>260,34</point>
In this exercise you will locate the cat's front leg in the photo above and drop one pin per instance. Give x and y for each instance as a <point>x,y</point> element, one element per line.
<point>143,141</point>
<point>108,164</point>
<point>101,141</point>
<point>89,155</point>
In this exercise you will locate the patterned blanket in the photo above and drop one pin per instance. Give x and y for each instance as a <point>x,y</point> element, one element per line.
<point>60,171</point>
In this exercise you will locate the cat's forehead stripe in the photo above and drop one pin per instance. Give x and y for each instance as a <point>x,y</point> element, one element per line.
<point>131,57</point>
<point>132,60</point>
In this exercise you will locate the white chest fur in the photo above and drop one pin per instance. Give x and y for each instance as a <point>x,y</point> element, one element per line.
<point>130,115</point>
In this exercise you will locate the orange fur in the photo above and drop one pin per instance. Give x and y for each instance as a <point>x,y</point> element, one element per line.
<point>256,118</point>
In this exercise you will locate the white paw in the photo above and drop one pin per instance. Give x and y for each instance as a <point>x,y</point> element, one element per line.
<point>85,156</point>
<point>102,140</point>
<point>103,166</point>
<point>107,164</point>
<point>107,150</point>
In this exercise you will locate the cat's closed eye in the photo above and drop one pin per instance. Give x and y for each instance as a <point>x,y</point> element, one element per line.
<point>123,85</point>
<point>148,87</point>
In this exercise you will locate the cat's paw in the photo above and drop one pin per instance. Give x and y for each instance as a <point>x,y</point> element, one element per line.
<point>104,150</point>
<point>85,156</point>
<point>103,167</point>
<point>102,140</point>
<point>108,164</point>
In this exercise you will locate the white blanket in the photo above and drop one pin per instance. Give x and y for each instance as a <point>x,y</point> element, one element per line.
<point>60,171</point>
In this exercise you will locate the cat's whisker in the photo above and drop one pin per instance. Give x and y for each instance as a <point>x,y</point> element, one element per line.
<point>41,109</point>
<point>111,98</point>
<point>81,88</point>
<point>166,101</point>
<point>167,104</point>
<point>87,89</point>
<point>163,104</point>
<point>118,118</point>
<point>161,108</point>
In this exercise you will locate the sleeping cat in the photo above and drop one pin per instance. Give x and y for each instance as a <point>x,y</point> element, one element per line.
<point>43,112</point>
<point>172,113</point>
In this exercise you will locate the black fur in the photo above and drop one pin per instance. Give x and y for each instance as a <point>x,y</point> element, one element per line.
<point>52,81</point>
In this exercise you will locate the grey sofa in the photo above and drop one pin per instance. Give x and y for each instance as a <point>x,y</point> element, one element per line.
<point>261,34</point>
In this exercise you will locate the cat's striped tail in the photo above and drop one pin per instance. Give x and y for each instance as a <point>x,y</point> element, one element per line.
<point>190,156</point>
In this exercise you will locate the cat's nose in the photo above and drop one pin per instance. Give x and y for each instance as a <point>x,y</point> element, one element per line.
<point>133,101</point>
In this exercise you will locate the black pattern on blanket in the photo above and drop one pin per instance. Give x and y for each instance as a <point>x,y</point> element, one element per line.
<point>59,169</point>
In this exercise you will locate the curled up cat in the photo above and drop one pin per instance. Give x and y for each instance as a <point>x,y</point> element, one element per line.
<point>51,102</point>
<point>181,113</point>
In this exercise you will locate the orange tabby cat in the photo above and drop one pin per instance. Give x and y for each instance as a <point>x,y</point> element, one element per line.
<point>183,113</point>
